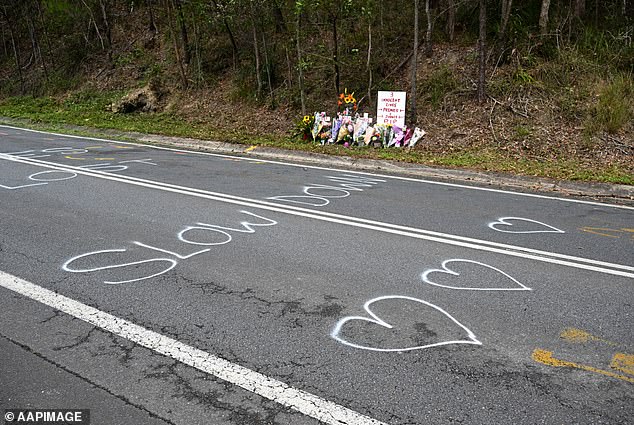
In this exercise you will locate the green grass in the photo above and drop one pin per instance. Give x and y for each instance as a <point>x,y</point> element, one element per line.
<point>89,111</point>
<point>614,108</point>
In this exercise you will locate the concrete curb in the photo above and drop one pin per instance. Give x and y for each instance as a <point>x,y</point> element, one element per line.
<point>601,191</point>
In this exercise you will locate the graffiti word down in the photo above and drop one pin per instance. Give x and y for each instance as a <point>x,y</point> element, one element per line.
<point>319,195</point>
<point>516,285</point>
<point>373,318</point>
<point>200,234</point>
<point>506,224</point>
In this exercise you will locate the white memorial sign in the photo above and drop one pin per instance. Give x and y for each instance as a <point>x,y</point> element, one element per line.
<point>391,108</point>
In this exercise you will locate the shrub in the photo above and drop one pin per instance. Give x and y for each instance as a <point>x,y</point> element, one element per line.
<point>614,107</point>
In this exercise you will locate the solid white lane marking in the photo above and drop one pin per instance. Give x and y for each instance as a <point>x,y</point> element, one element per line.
<point>309,404</point>
<point>512,250</point>
<point>316,167</point>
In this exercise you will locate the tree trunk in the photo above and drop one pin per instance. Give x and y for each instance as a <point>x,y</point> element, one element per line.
<point>300,65</point>
<point>368,66</point>
<point>94,21</point>
<point>35,43</point>
<point>16,52</point>
<point>482,52</point>
<point>46,36</point>
<point>413,112</point>
<point>335,53</point>
<point>256,52</point>
<point>177,53</point>
<point>106,23</point>
<point>183,31</point>
<point>543,17</point>
<point>152,26</point>
<point>507,5</point>
<point>225,23</point>
<point>580,8</point>
<point>451,19</point>
<point>430,22</point>
<point>267,65</point>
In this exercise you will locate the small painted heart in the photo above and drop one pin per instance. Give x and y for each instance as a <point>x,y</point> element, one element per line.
<point>517,286</point>
<point>373,318</point>
<point>508,221</point>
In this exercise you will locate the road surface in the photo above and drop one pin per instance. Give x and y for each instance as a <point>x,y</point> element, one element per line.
<point>159,286</point>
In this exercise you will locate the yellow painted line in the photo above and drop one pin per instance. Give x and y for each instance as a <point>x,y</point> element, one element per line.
<point>72,157</point>
<point>123,147</point>
<point>546,358</point>
<point>250,148</point>
<point>623,363</point>
<point>580,336</point>
<point>601,231</point>
<point>259,162</point>
<point>104,159</point>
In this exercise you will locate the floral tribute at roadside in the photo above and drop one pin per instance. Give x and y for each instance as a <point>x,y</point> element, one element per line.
<point>349,128</point>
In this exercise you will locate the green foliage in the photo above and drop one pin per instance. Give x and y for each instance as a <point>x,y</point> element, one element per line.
<point>614,49</point>
<point>440,83</point>
<point>523,77</point>
<point>522,132</point>
<point>614,108</point>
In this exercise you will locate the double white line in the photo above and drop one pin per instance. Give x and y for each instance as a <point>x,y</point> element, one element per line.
<point>412,232</point>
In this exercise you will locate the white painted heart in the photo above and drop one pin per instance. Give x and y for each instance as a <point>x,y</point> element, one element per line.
<point>506,221</point>
<point>447,270</point>
<point>373,318</point>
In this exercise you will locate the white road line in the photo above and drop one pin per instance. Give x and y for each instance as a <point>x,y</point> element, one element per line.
<point>315,167</point>
<point>554,258</point>
<point>309,404</point>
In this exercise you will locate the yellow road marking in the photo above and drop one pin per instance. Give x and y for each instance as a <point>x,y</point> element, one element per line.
<point>546,358</point>
<point>623,363</point>
<point>579,336</point>
<point>122,147</point>
<point>251,148</point>
<point>104,159</point>
<point>72,157</point>
<point>607,232</point>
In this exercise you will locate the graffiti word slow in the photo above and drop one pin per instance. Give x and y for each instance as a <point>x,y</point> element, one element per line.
<point>200,235</point>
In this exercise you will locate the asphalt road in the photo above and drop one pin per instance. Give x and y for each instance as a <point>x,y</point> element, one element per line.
<point>161,286</point>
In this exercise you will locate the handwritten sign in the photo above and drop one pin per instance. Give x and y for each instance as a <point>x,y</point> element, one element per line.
<point>391,108</point>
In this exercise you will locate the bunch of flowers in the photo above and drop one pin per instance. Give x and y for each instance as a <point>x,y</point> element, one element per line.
<point>346,103</point>
<point>349,128</point>
<point>303,128</point>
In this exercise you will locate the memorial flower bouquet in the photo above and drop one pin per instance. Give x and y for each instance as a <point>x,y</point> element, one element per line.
<point>304,127</point>
<point>346,103</point>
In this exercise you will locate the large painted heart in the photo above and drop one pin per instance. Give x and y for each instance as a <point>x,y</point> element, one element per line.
<point>508,222</point>
<point>515,285</point>
<point>375,319</point>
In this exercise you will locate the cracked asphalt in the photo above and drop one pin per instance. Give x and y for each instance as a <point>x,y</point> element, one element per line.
<point>405,301</point>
